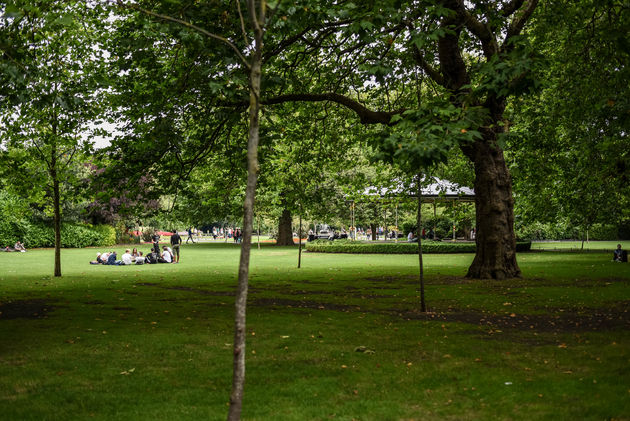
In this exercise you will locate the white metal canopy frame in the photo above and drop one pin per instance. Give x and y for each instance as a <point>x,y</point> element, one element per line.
<point>438,191</point>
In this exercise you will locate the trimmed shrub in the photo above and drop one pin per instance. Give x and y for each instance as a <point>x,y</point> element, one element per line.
<point>358,247</point>
<point>78,236</point>
<point>41,235</point>
<point>107,235</point>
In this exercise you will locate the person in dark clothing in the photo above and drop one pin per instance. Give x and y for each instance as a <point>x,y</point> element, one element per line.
<point>151,257</point>
<point>156,242</point>
<point>176,241</point>
<point>111,260</point>
<point>620,255</point>
<point>190,237</point>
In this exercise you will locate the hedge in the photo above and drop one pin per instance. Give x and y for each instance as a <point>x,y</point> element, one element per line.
<point>36,235</point>
<point>359,247</point>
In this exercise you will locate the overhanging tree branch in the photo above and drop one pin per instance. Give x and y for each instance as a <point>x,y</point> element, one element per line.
<point>517,25</point>
<point>366,115</point>
<point>480,30</point>
<point>511,7</point>
<point>190,26</point>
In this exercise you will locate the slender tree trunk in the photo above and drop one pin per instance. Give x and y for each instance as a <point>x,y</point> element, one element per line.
<point>238,378</point>
<point>300,243</point>
<point>285,229</point>
<point>56,210</point>
<point>56,197</point>
<point>423,306</point>
<point>495,238</point>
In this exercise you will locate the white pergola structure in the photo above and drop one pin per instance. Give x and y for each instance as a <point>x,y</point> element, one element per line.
<point>439,190</point>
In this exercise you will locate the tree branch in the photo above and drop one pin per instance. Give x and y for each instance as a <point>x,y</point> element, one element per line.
<point>479,29</point>
<point>511,7</point>
<point>428,69</point>
<point>366,115</point>
<point>520,20</point>
<point>240,15</point>
<point>190,26</point>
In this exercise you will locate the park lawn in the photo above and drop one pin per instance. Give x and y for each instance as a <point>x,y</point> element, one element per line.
<point>577,245</point>
<point>340,338</point>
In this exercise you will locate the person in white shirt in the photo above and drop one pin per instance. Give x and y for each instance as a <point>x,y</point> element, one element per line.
<point>140,259</point>
<point>126,258</point>
<point>167,255</point>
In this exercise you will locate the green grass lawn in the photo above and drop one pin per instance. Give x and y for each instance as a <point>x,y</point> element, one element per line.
<point>341,338</point>
<point>577,245</point>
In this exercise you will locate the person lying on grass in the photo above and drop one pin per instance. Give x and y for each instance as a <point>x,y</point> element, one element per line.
<point>17,247</point>
<point>98,260</point>
<point>105,259</point>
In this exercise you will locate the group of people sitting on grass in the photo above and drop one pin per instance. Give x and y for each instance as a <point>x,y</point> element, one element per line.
<point>17,247</point>
<point>135,257</point>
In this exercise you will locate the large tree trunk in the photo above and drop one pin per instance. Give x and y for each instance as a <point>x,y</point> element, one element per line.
<point>285,229</point>
<point>373,229</point>
<point>495,238</point>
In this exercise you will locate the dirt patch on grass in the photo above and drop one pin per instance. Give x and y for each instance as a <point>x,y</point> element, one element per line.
<point>552,320</point>
<point>314,305</point>
<point>188,289</point>
<point>25,309</point>
<point>613,318</point>
<point>567,322</point>
<point>201,291</point>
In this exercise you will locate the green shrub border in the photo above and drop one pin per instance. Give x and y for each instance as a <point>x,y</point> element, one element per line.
<point>359,247</point>
<point>39,235</point>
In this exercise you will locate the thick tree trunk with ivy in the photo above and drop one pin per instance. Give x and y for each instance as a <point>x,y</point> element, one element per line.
<point>285,229</point>
<point>495,238</point>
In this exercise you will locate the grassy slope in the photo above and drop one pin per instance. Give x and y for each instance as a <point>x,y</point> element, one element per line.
<point>154,342</point>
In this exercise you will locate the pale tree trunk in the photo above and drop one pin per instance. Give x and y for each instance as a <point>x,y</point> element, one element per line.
<point>423,306</point>
<point>300,243</point>
<point>52,170</point>
<point>238,377</point>
<point>495,238</point>
<point>285,229</point>
<point>56,210</point>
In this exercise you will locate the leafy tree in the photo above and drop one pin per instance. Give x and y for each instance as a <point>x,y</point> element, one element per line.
<point>569,157</point>
<point>51,70</point>
<point>473,58</point>
<point>303,152</point>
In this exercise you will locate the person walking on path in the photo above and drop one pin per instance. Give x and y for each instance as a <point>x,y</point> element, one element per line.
<point>176,240</point>
<point>190,237</point>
